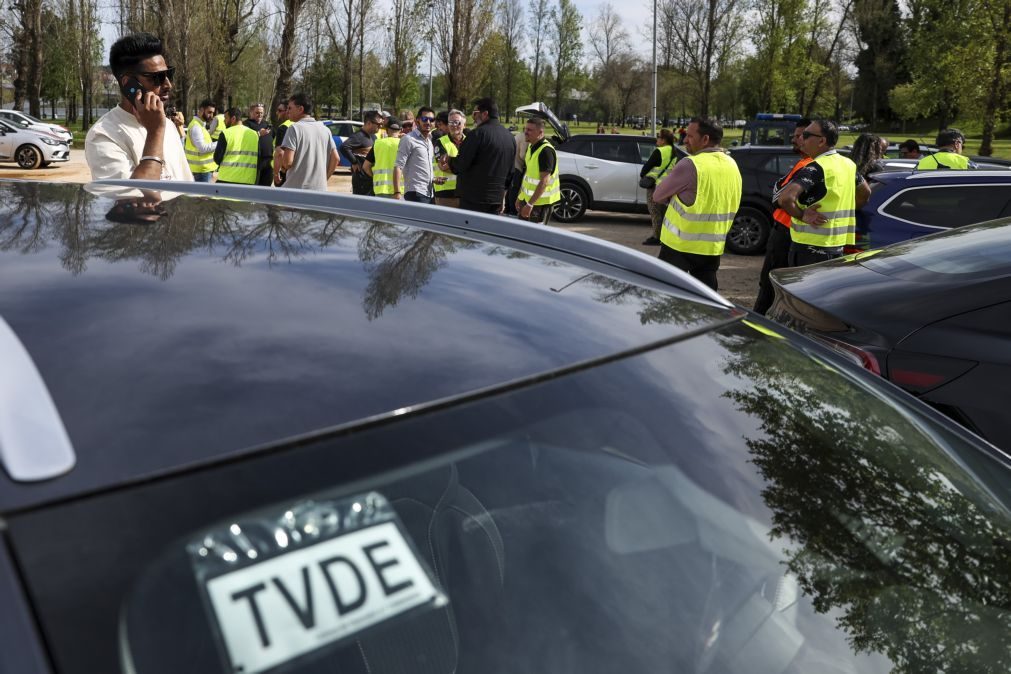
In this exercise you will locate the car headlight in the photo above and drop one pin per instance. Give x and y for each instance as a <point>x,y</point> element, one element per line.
<point>52,141</point>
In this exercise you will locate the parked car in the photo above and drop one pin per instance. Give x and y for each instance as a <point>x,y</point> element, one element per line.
<point>341,129</point>
<point>26,121</point>
<point>249,429</point>
<point>596,171</point>
<point>932,315</point>
<point>908,204</point>
<point>30,149</point>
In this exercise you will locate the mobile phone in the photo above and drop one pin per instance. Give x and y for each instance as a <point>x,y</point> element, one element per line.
<point>130,86</point>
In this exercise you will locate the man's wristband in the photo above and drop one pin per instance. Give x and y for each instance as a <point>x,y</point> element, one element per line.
<point>151,157</point>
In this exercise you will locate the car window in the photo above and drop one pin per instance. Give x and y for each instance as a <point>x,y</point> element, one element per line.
<point>773,512</point>
<point>577,146</point>
<point>645,150</point>
<point>780,164</point>
<point>614,150</point>
<point>776,135</point>
<point>950,205</point>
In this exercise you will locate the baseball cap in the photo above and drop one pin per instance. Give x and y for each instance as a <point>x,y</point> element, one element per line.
<point>393,123</point>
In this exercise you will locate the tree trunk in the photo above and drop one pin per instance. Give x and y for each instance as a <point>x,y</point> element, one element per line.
<point>995,95</point>
<point>286,55</point>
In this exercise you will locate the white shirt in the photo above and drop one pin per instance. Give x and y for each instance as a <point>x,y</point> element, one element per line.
<point>115,144</point>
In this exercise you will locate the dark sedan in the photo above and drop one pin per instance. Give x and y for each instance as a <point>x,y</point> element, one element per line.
<point>931,315</point>
<point>251,430</point>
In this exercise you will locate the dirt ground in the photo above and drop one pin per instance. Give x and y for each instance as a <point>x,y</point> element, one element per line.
<point>738,275</point>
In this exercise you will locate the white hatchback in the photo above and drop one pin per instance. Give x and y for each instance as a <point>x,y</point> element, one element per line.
<point>30,149</point>
<point>26,121</point>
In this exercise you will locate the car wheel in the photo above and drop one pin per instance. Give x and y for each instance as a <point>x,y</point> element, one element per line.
<point>28,157</point>
<point>750,231</point>
<point>572,204</point>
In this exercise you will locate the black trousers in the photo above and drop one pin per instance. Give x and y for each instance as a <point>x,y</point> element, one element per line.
<point>803,254</point>
<point>777,256</point>
<point>418,197</point>
<point>702,267</point>
<point>479,207</point>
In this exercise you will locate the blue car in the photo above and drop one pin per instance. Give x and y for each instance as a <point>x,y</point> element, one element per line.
<point>341,129</point>
<point>908,204</point>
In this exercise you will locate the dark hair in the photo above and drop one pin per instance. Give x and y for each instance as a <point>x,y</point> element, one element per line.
<point>866,153</point>
<point>950,137</point>
<point>829,130</point>
<point>803,123</point>
<point>667,135</point>
<point>709,126</point>
<point>443,117</point>
<point>129,50</point>
<point>393,124</point>
<point>235,112</point>
<point>206,103</point>
<point>373,116</point>
<point>910,146</point>
<point>488,105</point>
<point>424,109</point>
<point>303,100</point>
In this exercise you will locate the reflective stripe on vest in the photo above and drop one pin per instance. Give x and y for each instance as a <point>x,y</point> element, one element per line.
<point>532,178</point>
<point>382,173</point>
<point>219,128</point>
<point>779,215</point>
<point>701,228</point>
<point>943,160</point>
<point>239,164</point>
<point>199,162</point>
<point>450,148</point>
<point>660,172</point>
<point>838,205</point>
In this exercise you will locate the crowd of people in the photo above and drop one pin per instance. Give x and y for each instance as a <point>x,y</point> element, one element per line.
<point>484,168</point>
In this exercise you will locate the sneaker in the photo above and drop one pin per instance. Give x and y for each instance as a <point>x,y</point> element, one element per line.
<point>651,241</point>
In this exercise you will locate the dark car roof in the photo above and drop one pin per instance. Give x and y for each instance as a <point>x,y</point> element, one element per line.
<point>227,325</point>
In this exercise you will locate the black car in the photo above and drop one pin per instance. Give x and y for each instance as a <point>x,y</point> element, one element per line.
<point>761,167</point>
<point>932,315</point>
<point>265,430</point>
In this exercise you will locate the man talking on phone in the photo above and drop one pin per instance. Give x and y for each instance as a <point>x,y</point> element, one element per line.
<point>133,140</point>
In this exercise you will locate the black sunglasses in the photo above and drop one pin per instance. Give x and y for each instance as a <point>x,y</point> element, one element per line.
<point>427,119</point>
<point>811,134</point>
<point>159,77</point>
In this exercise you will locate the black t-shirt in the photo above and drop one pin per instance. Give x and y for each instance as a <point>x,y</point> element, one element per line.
<point>547,159</point>
<point>279,134</point>
<point>811,179</point>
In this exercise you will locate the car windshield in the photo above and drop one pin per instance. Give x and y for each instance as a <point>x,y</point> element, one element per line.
<point>723,504</point>
<point>971,252</point>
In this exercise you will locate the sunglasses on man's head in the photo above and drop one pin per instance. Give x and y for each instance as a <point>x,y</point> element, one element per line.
<point>160,76</point>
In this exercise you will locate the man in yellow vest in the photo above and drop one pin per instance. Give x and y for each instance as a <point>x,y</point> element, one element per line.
<point>949,153</point>
<point>199,147</point>
<point>238,151</point>
<point>217,126</point>
<point>448,144</point>
<point>381,159</point>
<point>540,189</point>
<point>657,167</point>
<point>704,190</point>
<point>280,128</point>
<point>822,198</point>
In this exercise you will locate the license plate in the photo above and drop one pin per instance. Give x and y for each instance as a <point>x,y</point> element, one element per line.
<point>277,610</point>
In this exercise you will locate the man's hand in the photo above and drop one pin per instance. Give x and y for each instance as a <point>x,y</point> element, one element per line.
<point>398,195</point>
<point>813,217</point>
<point>149,111</point>
<point>264,132</point>
<point>525,211</point>
<point>444,163</point>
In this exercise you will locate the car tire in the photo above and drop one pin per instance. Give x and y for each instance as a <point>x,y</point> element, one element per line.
<point>28,157</point>
<point>572,205</point>
<point>749,232</point>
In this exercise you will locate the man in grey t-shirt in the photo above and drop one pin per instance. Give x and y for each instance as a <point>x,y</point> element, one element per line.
<point>308,154</point>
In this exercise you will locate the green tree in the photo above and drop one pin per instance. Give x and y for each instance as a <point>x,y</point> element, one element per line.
<point>567,47</point>
<point>880,59</point>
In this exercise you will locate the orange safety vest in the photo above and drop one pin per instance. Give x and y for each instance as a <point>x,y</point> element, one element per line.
<point>779,215</point>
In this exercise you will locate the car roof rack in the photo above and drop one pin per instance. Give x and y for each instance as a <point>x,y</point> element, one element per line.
<point>512,229</point>
<point>34,444</point>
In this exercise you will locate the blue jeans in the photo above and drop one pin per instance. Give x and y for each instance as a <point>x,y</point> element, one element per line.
<point>202,177</point>
<point>418,197</point>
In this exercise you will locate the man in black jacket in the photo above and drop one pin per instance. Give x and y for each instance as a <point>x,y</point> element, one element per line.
<point>484,162</point>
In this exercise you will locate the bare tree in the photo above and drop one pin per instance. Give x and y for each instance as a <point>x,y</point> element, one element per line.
<point>539,14</point>
<point>708,34</point>
<point>608,36</point>
<point>229,32</point>
<point>465,28</point>
<point>291,10</point>
<point>510,16</point>
<point>566,25</point>
<point>402,49</point>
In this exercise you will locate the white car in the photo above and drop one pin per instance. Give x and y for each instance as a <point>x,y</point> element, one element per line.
<point>26,121</point>
<point>30,149</point>
<point>596,171</point>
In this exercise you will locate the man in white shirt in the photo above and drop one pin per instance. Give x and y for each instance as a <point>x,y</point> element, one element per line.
<point>133,140</point>
<point>308,155</point>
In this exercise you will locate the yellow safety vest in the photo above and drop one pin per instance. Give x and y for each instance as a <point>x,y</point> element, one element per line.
<point>219,128</point>
<point>660,172</point>
<point>553,192</point>
<point>382,172</point>
<point>450,147</point>
<point>199,163</point>
<point>702,228</point>
<point>943,160</point>
<point>242,150</point>
<point>839,205</point>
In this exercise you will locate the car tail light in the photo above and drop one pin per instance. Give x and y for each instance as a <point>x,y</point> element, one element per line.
<point>919,373</point>
<point>859,355</point>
